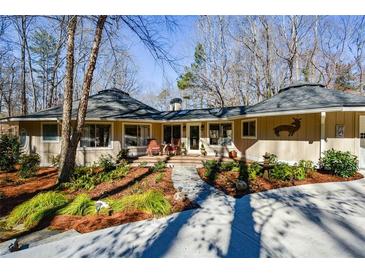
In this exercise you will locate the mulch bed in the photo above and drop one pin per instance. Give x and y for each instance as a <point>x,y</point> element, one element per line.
<point>12,186</point>
<point>14,191</point>
<point>84,224</point>
<point>138,180</point>
<point>146,181</point>
<point>225,181</point>
<point>316,177</point>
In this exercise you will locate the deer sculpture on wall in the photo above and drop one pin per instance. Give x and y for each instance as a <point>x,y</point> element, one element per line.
<point>291,129</point>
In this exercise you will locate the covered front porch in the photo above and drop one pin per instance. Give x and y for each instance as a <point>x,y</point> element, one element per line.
<point>190,139</point>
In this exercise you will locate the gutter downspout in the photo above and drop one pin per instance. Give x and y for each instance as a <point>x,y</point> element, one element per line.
<point>322,145</point>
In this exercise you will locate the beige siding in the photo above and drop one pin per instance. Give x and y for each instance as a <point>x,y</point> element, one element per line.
<point>304,144</point>
<point>350,142</point>
<point>84,156</point>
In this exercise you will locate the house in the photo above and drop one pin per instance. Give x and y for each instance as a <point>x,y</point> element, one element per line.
<point>300,122</point>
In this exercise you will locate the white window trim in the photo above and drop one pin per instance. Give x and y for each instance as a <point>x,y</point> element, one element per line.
<point>245,121</point>
<point>220,122</point>
<point>80,148</point>
<point>135,124</point>
<point>58,133</point>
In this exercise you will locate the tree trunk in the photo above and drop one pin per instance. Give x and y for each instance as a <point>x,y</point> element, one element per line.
<point>64,175</point>
<point>69,161</point>
<point>55,68</point>
<point>23,86</point>
<point>35,99</point>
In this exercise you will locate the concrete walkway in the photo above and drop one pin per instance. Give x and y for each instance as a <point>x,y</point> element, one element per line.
<point>323,220</point>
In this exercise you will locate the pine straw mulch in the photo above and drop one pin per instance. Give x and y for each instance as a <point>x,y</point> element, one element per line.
<point>225,181</point>
<point>14,190</point>
<point>146,182</point>
<point>84,224</point>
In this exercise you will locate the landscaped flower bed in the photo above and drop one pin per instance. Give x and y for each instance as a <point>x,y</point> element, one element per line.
<point>96,197</point>
<point>335,166</point>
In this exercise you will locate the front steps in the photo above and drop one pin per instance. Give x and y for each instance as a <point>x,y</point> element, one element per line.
<point>188,160</point>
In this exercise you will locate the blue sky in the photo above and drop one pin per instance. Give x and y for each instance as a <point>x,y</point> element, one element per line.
<point>181,43</point>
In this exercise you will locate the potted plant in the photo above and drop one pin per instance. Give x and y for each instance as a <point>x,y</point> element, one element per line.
<point>203,152</point>
<point>183,149</point>
<point>233,154</point>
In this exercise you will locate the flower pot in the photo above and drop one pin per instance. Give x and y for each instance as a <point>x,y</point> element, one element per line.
<point>233,154</point>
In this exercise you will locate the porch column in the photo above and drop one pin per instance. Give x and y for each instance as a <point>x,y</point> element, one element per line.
<point>322,145</point>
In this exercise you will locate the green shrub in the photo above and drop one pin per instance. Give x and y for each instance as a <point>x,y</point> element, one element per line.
<point>119,172</point>
<point>159,177</point>
<point>122,154</point>
<point>82,205</point>
<point>254,170</point>
<point>151,201</point>
<point>106,162</point>
<point>55,160</point>
<point>159,166</point>
<point>298,172</point>
<point>29,165</point>
<point>31,212</point>
<point>229,166</point>
<point>281,172</point>
<point>86,178</point>
<point>212,167</point>
<point>143,164</point>
<point>9,152</point>
<point>308,166</point>
<point>339,163</point>
<point>81,171</point>
<point>87,181</point>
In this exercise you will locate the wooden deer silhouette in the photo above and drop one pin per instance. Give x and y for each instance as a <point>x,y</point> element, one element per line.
<point>291,129</point>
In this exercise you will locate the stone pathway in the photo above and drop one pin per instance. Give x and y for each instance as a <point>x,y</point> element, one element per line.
<point>323,220</point>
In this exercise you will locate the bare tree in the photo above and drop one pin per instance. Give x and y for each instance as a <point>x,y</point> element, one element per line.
<point>68,161</point>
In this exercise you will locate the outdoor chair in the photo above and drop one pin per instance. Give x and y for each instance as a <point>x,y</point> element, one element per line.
<point>153,147</point>
<point>174,148</point>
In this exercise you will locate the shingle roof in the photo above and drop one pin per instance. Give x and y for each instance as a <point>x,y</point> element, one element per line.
<point>105,104</point>
<point>305,97</point>
<point>115,104</point>
<point>207,113</point>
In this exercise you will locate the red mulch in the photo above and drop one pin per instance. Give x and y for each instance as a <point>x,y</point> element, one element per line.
<point>316,177</point>
<point>12,186</point>
<point>165,186</point>
<point>14,190</point>
<point>84,224</point>
<point>90,223</point>
<point>225,181</point>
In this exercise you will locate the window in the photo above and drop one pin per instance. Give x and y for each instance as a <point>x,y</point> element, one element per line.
<point>23,137</point>
<point>220,134</point>
<point>171,133</point>
<point>136,135</point>
<point>96,135</point>
<point>50,132</point>
<point>249,129</point>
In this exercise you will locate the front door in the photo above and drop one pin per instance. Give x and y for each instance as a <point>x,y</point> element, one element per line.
<point>194,138</point>
<point>362,142</point>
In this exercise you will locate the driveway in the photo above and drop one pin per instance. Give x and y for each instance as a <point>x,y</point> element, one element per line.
<point>323,220</point>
